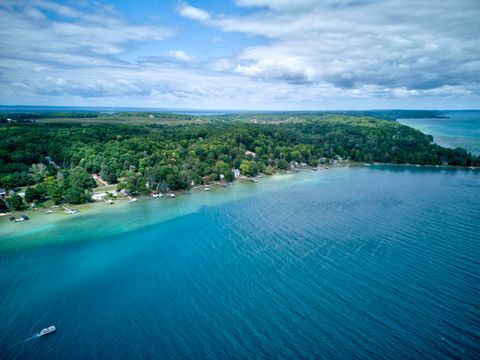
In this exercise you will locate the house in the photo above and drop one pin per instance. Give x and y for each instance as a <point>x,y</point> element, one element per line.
<point>101,195</point>
<point>3,193</point>
<point>222,176</point>
<point>250,153</point>
<point>151,116</point>
<point>205,180</point>
<point>236,173</point>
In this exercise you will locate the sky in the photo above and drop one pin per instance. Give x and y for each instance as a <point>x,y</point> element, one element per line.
<point>241,54</point>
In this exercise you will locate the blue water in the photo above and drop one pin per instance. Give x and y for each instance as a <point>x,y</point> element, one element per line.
<point>377,262</point>
<point>458,129</point>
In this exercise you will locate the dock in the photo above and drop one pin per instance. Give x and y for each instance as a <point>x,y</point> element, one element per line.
<point>43,211</point>
<point>69,211</point>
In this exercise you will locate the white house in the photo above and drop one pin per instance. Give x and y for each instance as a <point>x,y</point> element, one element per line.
<point>236,172</point>
<point>100,195</point>
<point>3,193</point>
<point>250,153</point>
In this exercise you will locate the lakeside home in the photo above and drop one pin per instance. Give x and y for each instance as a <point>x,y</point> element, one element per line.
<point>99,196</point>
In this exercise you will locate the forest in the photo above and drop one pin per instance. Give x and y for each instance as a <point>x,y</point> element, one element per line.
<point>56,161</point>
<point>114,115</point>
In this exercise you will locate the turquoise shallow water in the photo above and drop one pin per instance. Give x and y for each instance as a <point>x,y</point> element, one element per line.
<point>459,129</point>
<point>352,263</point>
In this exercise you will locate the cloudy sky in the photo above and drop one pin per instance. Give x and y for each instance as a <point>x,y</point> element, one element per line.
<point>241,54</point>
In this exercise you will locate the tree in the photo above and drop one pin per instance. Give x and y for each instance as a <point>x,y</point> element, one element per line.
<point>244,167</point>
<point>79,177</point>
<point>136,183</point>
<point>7,181</point>
<point>252,168</point>
<point>221,167</point>
<point>268,170</point>
<point>38,172</point>
<point>76,195</point>
<point>16,202</point>
<point>162,186</point>
<point>111,178</point>
<point>51,185</point>
<point>282,164</point>
<point>31,194</point>
<point>57,196</point>
<point>3,205</point>
<point>230,176</point>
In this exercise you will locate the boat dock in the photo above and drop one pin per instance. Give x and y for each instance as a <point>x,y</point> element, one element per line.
<point>69,211</point>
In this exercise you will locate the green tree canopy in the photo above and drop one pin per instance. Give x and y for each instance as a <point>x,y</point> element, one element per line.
<point>16,202</point>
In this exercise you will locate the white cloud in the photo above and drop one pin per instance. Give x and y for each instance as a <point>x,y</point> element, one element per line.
<point>407,44</point>
<point>313,54</point>
<point>180,55</point>
<point>279,5</point>
<point>193,13</point>
<point>85,41</point>
<point>222,64</point>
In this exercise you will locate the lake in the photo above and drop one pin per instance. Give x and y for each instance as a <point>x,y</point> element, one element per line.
<point>459,129</point>
<point>360,262</point>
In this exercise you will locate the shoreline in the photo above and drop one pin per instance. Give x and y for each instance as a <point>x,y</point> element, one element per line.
<point>107,220</point>
<point>122,217</point>
<point>125,199</point>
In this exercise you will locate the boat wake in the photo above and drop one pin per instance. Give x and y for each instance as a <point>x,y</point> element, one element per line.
<point>26,340</point>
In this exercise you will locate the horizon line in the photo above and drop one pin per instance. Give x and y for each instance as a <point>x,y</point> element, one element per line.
<point>222,110</point>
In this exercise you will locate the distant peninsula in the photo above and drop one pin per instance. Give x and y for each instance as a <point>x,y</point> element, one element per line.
<point>52,160</point>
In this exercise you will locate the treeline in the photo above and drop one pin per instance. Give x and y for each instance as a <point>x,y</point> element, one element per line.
<point>56,161</point>
<point>317,115</point>
<point>239,117</point>
<point>25,117</point>
<point>156,115</point>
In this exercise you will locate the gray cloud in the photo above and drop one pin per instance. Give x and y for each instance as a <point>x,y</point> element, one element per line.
<point>408,44</point>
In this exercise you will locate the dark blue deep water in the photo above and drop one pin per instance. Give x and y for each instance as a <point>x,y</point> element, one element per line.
<point>376,263</point>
